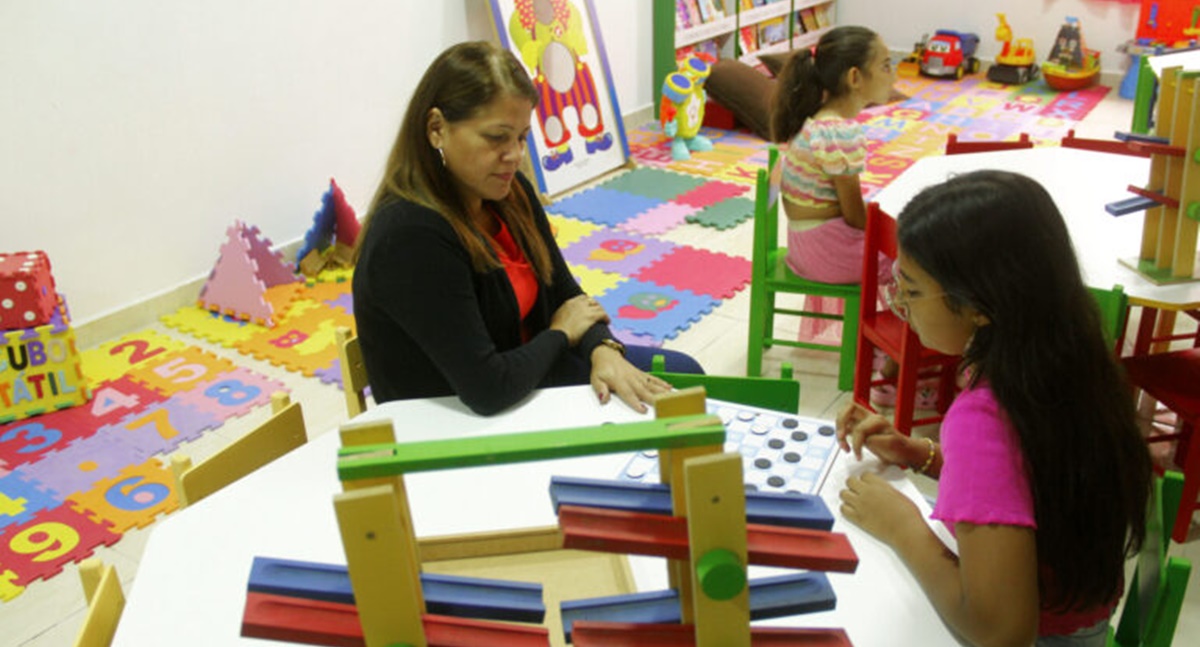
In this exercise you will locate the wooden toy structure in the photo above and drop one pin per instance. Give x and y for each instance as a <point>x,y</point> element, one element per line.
<point>382,598</point>
<point>1171,197</point>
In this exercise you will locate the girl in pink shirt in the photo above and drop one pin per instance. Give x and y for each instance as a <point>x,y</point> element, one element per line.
<point>1043,475</point>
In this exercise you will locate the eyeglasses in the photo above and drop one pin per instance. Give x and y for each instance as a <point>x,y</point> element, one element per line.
<point>897,299</point>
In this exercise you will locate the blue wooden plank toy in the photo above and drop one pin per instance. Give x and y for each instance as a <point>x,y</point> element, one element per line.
<point>769,508</point>
<point>451,595</point>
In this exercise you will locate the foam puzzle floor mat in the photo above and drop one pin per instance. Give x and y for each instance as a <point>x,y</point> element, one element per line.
<point>898,133</point>
<point>79,478</point>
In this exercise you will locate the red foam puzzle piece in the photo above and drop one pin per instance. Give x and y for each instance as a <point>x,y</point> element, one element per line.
<point>54,538</point>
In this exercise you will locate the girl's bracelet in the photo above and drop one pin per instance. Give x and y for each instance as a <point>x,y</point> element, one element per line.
<point>929,460</point>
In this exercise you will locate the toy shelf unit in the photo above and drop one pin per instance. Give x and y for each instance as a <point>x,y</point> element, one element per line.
<point>744,29</point>
<point>1170,200</point>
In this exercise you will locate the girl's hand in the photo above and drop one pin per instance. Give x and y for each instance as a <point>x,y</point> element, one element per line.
<point>612,373</point>
<point>872,504</point>
<point>575,316</point>
<point>858,426</point>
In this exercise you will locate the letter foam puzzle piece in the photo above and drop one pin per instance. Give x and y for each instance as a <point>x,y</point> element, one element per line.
<point>244,270</point>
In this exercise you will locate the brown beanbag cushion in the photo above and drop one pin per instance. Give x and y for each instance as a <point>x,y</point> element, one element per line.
<point>745,91</point>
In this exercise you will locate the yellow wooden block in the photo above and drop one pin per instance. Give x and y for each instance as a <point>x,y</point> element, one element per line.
<point>716,515</point>
<point>106,601</point>
<point>1189,191</point>
<point>382,571</point>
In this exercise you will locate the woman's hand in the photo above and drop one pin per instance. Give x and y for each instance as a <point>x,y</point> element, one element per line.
<point>872,504</point>
<point>575,316</point>
<point>612,373</point>
<point>858,426</point>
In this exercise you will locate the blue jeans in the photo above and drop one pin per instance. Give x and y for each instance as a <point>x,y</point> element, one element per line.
<point>573,370</point>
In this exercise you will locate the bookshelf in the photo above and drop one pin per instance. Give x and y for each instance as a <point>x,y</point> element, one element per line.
<point>741,29</point>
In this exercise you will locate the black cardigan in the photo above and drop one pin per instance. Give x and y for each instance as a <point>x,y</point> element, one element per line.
<point>430,325</point>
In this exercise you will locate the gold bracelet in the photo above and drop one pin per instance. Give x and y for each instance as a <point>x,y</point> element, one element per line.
<point>928,461</point>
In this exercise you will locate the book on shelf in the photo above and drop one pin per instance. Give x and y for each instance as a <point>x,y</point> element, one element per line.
<point>808,18</point>
<point>710,47</point>
<point>709,10</point>
<point>772,31</point>
<point>748,38</point>
<point>822,14</point>
<point>687,14</point>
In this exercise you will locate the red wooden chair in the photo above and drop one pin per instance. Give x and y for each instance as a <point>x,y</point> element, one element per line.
<point>1174,380</point>
<point>881,328</point>
<point>955,147</point>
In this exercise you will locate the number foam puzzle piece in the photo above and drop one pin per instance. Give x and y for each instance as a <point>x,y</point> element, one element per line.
<point>111,360</point>
<point>39,549</point>
<point>133,498</point>
<point>20,501</point>
<point>78,466</point>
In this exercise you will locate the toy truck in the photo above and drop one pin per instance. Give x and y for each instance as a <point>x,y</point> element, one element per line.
<point>950,53</point>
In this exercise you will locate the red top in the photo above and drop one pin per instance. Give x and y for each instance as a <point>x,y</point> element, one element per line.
<point>520,272</point>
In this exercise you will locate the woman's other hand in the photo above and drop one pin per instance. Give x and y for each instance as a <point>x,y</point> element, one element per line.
<point>612,373</point>
<point>575,316</point>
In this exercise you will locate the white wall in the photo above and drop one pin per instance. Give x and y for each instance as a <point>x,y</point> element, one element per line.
<point>1106,23</point>
<point>134,132</point>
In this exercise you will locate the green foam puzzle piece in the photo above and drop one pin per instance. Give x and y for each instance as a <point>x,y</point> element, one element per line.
<point>654,183</point>
<point>724,214</point>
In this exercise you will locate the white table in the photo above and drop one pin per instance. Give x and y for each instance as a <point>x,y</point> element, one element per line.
<point>191,583</point>
<point>1081,183</point>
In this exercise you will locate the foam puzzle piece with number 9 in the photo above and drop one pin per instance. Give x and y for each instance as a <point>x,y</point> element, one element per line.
<point>40,549</point>
<point>134,498</point>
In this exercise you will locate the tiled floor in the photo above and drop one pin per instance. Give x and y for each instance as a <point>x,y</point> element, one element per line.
<point>48,613</point>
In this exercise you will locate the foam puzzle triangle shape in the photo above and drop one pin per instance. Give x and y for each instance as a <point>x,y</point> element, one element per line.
<point>335,220</point>
<point>245,269</point>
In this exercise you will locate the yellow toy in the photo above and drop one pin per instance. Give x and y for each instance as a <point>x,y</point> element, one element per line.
<point>911,65</point>
<point>1015,64</point>
<point>682,111</point>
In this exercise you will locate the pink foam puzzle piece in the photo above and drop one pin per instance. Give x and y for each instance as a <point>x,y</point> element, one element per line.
<point>711,193</point>
<point>346,226</point>
<point>243,272</point>
<point>232,394</point>
<point>659,219</point>
<point>272,269</point>
<point>700,271</point>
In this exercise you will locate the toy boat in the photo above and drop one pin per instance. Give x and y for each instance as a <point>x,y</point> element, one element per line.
<point>1071,65</point>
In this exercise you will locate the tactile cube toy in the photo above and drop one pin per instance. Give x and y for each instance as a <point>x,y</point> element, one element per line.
<point>27,294</point>
<point>40,369</point>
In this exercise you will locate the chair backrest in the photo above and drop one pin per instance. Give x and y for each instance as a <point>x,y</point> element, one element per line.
<point>354,371</point>
<point>782,394</point>
<point>880,238</point>
<point>766,213</point>
<point>106,601</point>
<point>1114,306</point>
<point>282,433</point>
<point>955,147</point>
<point>1101,145</point>
<point>1156,591</point>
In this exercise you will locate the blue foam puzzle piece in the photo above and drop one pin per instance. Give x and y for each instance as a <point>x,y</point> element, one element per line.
<point>21,499</point>
<point>604,206</point>
<point>320,235</point>
<point>768,508</point>
<point>661,312</point>
<point>452,595</point>
<point>1135,137</point>
<point>1130,205</point>
<point>770,597</point>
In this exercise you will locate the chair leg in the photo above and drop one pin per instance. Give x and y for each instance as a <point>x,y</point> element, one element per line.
<point>769,321</point>
<point>906,398</point>
<point>754,345</point>
<point>862,371</point>
<point>1191,488</point>
<point>847,367</point>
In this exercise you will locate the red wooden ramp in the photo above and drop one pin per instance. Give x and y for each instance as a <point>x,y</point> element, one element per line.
<point>620,531</point>
<point>632,634</point>
<point>316,622</point>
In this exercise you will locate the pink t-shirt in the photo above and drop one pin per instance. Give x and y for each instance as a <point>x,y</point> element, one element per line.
<point>984,481</point>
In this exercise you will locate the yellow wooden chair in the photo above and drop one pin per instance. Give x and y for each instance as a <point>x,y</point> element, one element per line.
<point>282,433</point>
<point>105,600</point>
<point>354,372</point>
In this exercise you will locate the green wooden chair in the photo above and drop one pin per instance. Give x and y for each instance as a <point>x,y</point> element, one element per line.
<point>1155,597</point>
<point>1114,308</point>
<point>771,276</point>
<point>782,394</point>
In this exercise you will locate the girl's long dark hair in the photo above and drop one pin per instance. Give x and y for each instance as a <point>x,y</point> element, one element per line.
<point>807,76</point>
<point>996,241</point>
<point>463,79</point>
